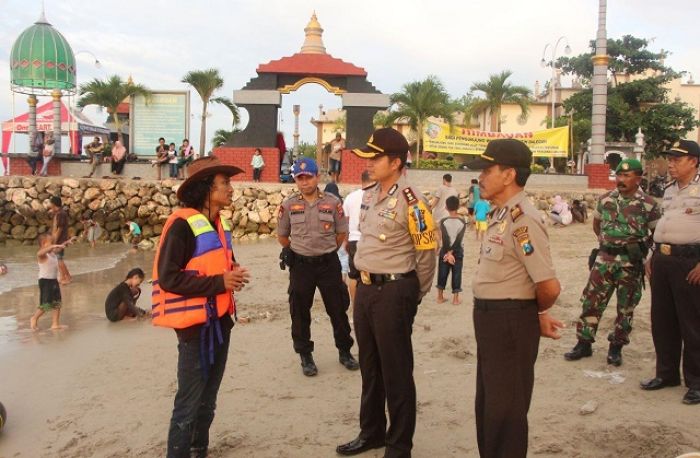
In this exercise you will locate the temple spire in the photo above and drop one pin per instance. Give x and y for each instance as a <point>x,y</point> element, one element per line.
<point>313,43</point>
<point>42,16</point>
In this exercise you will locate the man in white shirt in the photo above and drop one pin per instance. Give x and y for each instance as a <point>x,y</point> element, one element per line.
<point>352,206</point>
<point>437,203</point>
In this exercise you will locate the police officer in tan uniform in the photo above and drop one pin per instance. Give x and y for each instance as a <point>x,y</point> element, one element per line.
<point>311,227</point>
<point>675,276</point>
<point>396,259</point>
<point>514,287</point>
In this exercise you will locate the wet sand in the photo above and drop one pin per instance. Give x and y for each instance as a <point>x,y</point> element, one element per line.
<point>106,390</point>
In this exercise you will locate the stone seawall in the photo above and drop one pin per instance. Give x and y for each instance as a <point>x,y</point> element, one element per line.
<point>111,202</point>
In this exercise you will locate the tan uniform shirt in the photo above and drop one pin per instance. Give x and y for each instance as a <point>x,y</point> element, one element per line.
<point>514,254</point>
<point>680,223</point>
<point>398,234</point>
<point>312,227</point>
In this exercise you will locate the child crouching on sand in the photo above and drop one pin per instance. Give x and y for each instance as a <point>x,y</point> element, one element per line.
<point>49,289</point>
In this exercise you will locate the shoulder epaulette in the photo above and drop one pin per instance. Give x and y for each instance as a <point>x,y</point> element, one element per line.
<point>409,196</point>
<point>669,185</point>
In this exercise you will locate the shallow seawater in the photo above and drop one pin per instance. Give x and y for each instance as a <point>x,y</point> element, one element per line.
<point>94,275</point>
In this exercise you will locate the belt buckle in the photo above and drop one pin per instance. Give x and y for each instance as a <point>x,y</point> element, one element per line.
<point>665,249</point>
<point>365,277</point>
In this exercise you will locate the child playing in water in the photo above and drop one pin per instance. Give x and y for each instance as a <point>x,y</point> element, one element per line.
<point>49,289</point>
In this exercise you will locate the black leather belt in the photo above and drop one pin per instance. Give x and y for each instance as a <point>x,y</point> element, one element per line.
<point>621,249</point>
<point>613,250</point>
<point>682,251</point>
<point>314,259</point>
<point>379,279</point>
<point>485,305</point>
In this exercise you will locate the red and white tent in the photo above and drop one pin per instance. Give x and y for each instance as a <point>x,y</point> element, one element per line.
<point>73,123</point>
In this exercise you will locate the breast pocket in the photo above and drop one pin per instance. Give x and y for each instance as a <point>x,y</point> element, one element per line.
<point>298,223</point>
<point>492,252</point>
<point>327,223</point>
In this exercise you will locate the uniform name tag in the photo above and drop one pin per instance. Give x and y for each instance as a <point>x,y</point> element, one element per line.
<point>389,214</point>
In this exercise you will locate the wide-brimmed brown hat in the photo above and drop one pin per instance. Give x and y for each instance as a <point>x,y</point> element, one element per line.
<point>205,167</point>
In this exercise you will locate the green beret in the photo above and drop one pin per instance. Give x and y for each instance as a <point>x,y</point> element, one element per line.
<point>629,165</point>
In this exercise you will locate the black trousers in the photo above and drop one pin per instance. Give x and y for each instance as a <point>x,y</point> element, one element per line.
<point>118,166</point>
<point>304,278</point>
<point>383,318</point>
<point>507,341</point>
<point>675,319</point>
<point>195,401</point>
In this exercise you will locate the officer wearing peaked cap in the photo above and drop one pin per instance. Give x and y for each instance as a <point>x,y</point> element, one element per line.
<point>396,259</point>
<point>675,276</point>
<point>514,287</point>
<point>311,227</point>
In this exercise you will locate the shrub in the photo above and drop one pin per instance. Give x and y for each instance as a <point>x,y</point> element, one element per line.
<point>536,168</point>
<point>438,164</point>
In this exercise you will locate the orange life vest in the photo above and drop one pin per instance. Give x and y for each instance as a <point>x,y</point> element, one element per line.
<point>212,256</point>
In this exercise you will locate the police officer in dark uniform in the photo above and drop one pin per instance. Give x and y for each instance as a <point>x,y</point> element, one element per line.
<point>311,227</point>
<point>396,257</point>
<point>514,287</point>
<point>675,276</point>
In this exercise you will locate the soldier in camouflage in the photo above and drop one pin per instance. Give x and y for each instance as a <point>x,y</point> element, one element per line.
<point>624,220</point>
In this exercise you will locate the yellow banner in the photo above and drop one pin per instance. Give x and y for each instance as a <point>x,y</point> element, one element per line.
<point>543,143</point>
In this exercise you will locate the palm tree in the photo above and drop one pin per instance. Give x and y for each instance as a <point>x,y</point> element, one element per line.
<point>497,92</point>
<point>109,94</point>
<point>223,136</point>
<point>205,82</point>
<point>228,103</point>
<point>418,101</point>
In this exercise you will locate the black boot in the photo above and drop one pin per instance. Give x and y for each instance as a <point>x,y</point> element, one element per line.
<point>347,360</point>
<point>615,355</point>
<point>308,366</point>
<point>581,350</point>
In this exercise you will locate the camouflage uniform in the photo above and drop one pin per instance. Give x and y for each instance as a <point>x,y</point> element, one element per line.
<point>622,221</point>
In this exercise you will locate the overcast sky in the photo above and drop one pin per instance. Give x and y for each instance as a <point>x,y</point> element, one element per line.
<point>461,41</point>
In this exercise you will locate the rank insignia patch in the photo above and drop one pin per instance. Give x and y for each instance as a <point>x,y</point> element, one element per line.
<point>523,239</point>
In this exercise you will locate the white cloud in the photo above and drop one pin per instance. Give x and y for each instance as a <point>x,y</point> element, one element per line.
<point>461,42</point>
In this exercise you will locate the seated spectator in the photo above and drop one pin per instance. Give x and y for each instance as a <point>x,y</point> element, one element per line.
<point>579,211</point>
<point>118,158</point>
<point>560,214</point>
<point>121,301</point>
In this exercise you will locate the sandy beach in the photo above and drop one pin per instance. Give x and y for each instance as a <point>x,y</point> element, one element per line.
<point>106,390</point>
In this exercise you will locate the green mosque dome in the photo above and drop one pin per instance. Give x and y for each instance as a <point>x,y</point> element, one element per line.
<point>42,61</point>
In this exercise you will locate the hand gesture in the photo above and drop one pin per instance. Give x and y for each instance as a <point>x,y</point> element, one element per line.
<point>694,275</point>
<point>549,327</point>
<point>236,279</point>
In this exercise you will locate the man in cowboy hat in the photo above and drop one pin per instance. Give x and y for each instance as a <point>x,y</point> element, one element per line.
<point>396,258</point>
<point>194,276</point>
<point>674,271</point>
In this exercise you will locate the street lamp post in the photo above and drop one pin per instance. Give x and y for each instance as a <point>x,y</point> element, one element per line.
<point>97,62</point>
<point>553,82</point>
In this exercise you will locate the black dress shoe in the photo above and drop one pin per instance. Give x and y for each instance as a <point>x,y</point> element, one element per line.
<point>308,366</point>
<point>357,446</point>
<point>347,360</point>
<point>615,355</point>
<point>692,397</point>
<point>657,383</point>
<point>581,350</point>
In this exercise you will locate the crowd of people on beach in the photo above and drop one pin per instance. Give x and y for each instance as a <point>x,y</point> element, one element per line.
<point>380,249</point>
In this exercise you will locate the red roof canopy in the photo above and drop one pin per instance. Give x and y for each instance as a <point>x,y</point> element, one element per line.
<point>311,64</point>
